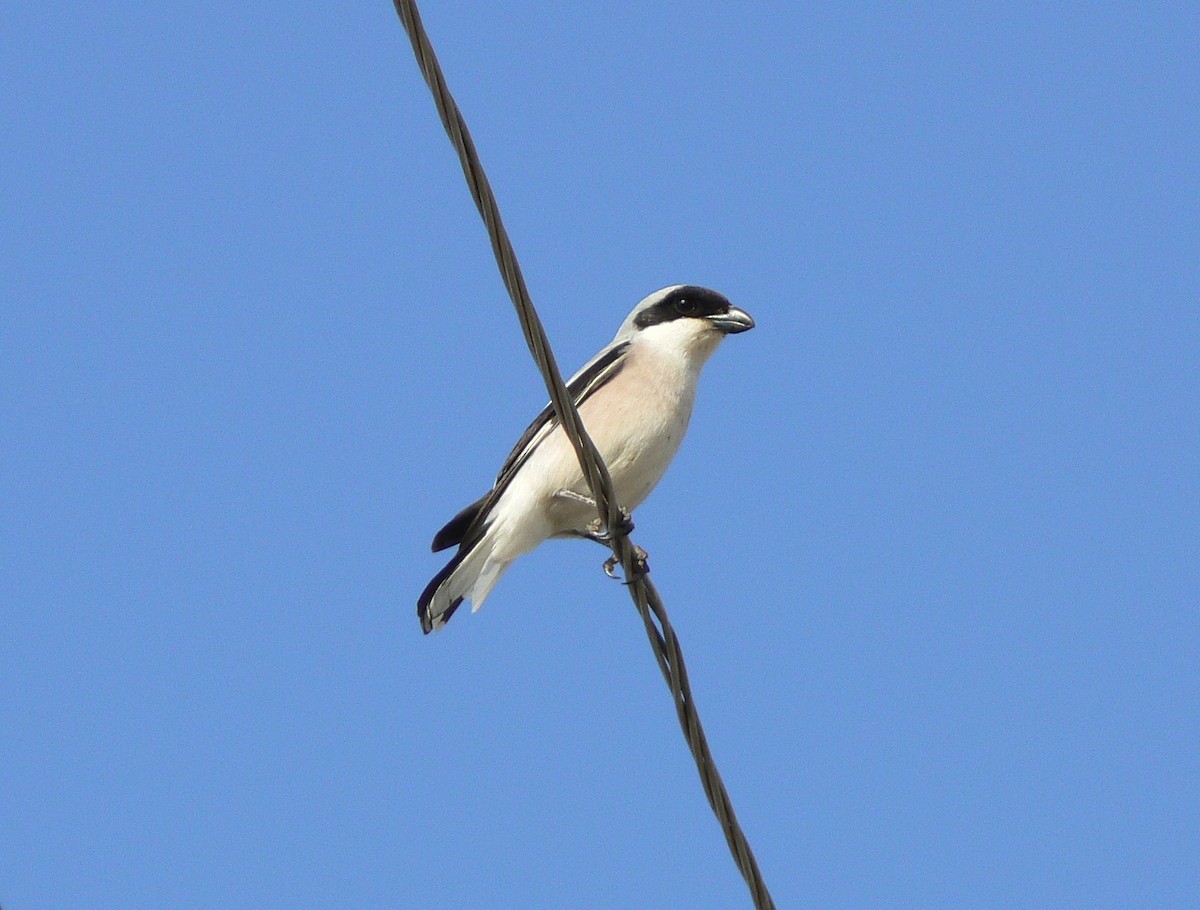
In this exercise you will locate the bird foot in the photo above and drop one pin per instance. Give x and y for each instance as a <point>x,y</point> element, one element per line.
<point>598,532</point>
<point>641,565</point>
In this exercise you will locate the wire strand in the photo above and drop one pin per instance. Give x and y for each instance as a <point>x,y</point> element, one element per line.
<point>663,641</point>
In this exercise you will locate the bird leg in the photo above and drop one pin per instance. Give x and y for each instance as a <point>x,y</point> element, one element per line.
<point>596,530</point>
<point>572,496</point>
<point>604,536</point>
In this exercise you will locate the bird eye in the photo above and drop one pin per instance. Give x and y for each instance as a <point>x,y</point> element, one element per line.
<point>685,306</point>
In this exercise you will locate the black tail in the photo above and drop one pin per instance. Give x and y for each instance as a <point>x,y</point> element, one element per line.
<point>430,589</point>
<point>456,528</point>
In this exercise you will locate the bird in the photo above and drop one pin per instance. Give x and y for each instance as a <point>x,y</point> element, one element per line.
<point>635,398</point>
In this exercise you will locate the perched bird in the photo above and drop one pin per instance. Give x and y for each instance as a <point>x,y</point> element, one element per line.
<point>635,398</point>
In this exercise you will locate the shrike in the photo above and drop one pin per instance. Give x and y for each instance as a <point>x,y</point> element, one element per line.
<point>635,398</point>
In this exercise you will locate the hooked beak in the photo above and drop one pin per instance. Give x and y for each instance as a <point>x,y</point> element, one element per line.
<point>732,322</point>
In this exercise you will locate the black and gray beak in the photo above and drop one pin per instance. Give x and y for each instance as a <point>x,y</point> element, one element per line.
<point>731,322</point>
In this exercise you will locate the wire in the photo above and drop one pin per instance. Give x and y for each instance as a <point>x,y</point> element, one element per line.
<point>663,641</point>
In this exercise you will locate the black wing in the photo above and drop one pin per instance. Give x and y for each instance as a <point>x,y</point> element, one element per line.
<point>468,525</point>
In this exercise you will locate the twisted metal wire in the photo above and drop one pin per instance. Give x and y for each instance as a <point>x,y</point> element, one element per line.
<point>663,641</point>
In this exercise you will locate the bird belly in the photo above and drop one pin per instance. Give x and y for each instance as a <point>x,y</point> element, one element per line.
<point>637,435</point>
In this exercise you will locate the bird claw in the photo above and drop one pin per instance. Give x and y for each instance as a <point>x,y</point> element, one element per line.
<point>641,565</point>
<point>597,531</point>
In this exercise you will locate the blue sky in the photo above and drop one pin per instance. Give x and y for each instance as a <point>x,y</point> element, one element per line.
<point>930,545</point>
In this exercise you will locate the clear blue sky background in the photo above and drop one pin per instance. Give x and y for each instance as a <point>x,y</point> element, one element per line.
<point>931,544</point>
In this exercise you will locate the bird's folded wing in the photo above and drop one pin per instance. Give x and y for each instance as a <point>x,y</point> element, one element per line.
<point>594,375</point>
